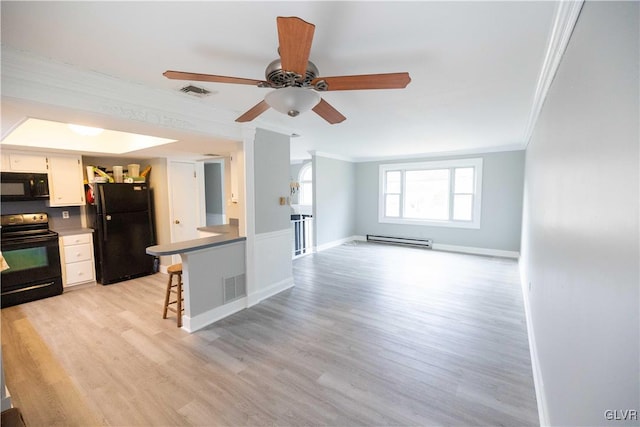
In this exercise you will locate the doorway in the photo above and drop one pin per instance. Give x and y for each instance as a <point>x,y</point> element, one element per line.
<point>302,208</point>
<point>214,185</point>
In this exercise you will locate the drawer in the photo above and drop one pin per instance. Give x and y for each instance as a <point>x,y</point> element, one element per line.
<point>76,239</point>
<point>75,253</point>
<point>79,272</point>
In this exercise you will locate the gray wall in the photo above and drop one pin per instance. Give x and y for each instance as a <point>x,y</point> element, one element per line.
<point>271,178</point>
<point>501,216</point>
<point>213,187</point>
<point>334,199</point>
<point>580,227</point>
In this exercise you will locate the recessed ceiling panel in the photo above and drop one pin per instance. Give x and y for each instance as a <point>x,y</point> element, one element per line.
<point>47,134</point>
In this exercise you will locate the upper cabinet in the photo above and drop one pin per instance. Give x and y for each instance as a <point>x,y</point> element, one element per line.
<point>24,162</point>
<point>66,187</point>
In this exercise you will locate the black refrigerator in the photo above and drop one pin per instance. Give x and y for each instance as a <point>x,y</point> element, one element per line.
<point>122,220</point>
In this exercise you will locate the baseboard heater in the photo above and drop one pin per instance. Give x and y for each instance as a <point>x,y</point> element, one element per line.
<point>423,243</point>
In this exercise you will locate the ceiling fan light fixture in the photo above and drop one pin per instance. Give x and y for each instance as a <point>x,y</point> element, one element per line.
<point>292,100</point>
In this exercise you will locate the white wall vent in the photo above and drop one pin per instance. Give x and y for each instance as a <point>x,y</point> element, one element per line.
<point>234,287</point>
<point>423,243</point>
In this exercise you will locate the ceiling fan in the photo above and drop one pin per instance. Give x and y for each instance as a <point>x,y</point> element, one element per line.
<point>295,78</point>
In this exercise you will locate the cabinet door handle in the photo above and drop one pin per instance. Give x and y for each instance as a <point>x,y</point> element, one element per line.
<point>177,221</point>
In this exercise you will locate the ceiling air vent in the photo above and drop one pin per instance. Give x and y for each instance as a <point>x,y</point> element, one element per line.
<point>195,90</point>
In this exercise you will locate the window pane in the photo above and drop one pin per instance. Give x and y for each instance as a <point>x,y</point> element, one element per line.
<point>464,180</point>
<point>427,194</point>
<point>306,193</point>
<point>463,207</point>
<point>392,205</point>
<point>393,181</point>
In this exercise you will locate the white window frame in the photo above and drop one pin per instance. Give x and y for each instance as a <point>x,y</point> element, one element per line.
<point>476,163</point>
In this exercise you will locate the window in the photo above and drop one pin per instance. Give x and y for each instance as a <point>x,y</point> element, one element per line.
<point>306,185</point>
<point>441,193</point>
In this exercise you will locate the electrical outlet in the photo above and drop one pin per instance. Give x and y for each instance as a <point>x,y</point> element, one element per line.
<point>65,214</point>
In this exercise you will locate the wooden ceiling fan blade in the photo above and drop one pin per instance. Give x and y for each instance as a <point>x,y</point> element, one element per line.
<point>182,75</point>
<point>254,112</point>
<point>327,112</point>
<point>365,81</point>
<point>295,37</point>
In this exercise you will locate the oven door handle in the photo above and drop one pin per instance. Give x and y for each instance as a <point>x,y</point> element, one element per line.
<point>13,243</point>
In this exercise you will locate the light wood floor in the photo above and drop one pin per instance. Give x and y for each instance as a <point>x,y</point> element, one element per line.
<point>370,335</point>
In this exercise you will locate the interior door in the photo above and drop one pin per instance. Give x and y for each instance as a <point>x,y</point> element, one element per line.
<point>185,204</point>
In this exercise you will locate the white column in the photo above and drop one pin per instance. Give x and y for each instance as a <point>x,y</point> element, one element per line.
<point>248,196</point>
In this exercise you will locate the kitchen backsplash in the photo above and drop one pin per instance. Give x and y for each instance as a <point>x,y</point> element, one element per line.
<point>56,221</point>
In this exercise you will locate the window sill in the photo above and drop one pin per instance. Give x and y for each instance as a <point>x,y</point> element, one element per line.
<point>450,224</point>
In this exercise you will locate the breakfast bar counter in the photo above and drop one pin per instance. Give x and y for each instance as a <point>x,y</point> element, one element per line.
<point>213,276</point>
<point>179,248</point>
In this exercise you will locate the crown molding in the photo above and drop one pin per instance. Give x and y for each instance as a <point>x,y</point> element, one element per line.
<point>566,17</point>
<point>315,153</point>
<point>456,153</point>
<point>32,78</point>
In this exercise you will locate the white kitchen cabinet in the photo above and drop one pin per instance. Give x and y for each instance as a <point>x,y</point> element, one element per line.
<point>66,186</point>
<point>5,164</point>
<point>77,259</point>
<point>26,162</point>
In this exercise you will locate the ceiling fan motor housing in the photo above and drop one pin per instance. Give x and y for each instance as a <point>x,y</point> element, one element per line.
<point>278,78</point>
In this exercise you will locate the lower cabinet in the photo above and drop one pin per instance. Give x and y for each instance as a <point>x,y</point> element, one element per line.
<point>77,259</point>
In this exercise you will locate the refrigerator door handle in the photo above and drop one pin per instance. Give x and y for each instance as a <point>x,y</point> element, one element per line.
<point>105,218</point>
<point>103,208</point>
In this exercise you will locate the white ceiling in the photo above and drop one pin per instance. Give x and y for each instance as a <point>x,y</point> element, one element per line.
<point>474,65</point>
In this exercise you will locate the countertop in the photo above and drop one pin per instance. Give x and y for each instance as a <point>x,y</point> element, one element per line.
<point>232,230</point>
<point>228,234</point>
<point>72,231</point>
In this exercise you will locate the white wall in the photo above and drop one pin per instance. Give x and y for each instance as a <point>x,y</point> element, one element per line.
<point>580,225</point>
<point>269,266</point>
<point>501,205</point>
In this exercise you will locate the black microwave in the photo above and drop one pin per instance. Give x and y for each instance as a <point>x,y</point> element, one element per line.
<point>23,186</point>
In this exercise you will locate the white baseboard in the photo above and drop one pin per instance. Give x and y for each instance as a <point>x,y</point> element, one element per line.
<point>436,246</point>
<point>192,324</point>
<point>338,242</point>
<point>476,251</point>
<point>270,291</point>
<point>543,411</point>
